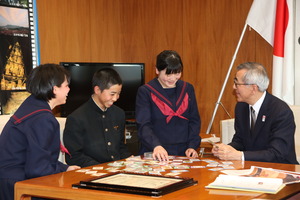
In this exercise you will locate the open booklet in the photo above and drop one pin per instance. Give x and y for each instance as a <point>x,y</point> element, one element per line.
<point>257,179</point>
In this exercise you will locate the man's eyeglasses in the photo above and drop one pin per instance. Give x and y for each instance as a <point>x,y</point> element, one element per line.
<point>237,84</point>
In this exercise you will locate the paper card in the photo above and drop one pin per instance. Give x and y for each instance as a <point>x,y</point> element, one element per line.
<point>179,171</point>
<point>98,168</point>
<point>98,174</point>
<point>197,166</point>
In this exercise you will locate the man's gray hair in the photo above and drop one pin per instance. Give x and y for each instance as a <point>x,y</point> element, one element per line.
<point>256,74</point>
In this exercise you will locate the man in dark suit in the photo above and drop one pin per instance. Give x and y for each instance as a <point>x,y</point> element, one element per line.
<point>266,136</point>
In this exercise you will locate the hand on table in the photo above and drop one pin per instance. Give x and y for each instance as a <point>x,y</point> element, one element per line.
<point>160,154</point>
<point>191,153</point>
<point>226,152</point>
<point>73,167</point>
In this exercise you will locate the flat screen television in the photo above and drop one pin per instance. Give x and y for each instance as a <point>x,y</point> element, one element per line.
<point>132,74</point>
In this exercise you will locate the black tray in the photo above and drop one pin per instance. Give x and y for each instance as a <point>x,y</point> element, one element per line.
<point>135,183</point>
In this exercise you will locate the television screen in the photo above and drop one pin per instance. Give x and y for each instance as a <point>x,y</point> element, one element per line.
<point>132,75</point>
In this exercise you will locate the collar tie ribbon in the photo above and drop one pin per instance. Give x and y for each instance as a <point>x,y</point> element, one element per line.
<point>167,111</point>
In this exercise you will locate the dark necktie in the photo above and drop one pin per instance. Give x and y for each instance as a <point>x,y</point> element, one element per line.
<point>253,118</point>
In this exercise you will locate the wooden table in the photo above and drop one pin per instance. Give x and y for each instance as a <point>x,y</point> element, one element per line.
<point>59,186</point>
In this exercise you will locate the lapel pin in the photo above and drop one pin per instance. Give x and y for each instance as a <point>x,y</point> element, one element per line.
<point>263,118</point>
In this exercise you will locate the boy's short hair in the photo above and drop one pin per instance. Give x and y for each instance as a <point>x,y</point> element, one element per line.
<point>105,78</point>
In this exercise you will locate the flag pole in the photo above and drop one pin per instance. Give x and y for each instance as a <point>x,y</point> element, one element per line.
<point>226,80</point>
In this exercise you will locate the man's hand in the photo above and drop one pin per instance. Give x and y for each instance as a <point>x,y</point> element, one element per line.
<point>226,152</point>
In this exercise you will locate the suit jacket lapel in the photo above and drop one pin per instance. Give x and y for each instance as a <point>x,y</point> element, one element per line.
<point>262,116</point>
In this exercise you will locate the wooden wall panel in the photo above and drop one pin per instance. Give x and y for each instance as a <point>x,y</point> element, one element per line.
<point>211,34</point>
<point>64,30</point>
<point>204,32</point>
<point>133,31</point>
<point>149,27</point>
<point>105,31</point>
